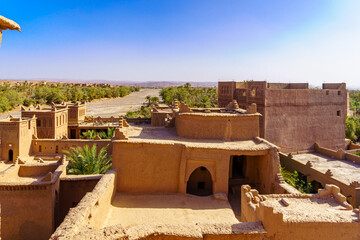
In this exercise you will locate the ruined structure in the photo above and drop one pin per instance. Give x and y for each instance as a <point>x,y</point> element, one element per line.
<point>294,116</point>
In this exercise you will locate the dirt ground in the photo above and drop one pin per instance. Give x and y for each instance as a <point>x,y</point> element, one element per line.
<point>109,107</point>
<point>130,210</point>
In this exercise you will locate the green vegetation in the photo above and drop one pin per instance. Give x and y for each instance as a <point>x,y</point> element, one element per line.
<point>91,134</point>
<point>295,180</point>
<point>353,123</point>
<point>358,153</point>
<point>26,94</point>
<point>202,97</point>
<point>87,161</point>
<point>144,111</point>
<point>352,129</point>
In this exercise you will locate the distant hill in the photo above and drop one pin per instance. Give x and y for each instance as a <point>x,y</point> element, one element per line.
<point>125,83</point>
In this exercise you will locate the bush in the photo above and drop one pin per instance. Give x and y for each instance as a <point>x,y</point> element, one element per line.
<point>294,180</point>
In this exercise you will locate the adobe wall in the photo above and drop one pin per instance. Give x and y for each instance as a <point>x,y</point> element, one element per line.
<point>352,193</point>
<point>226,92</point>
<point>27,130</point>
<point>91,211</point>
<point>9,133</point>
<point>27,210</point>
<point>158,118</point>
<point>166,168</point>
<point>296,119</point>
<point>16,135</point>
<point>217,126</point>
<point>72,190</point>
<point>277,227</point>
<point>48,146</point>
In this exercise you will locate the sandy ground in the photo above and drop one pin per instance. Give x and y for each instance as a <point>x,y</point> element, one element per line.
<point>130,210</point>
<point>119,106</point>
<point>324,209</point>
<point>109,107</point>
<point>344,171</point>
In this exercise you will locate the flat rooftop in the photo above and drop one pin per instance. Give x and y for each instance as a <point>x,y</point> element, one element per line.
<point>131,210</point>
<point>342,170</point>
<point>324,209</point>
<point>162,135</point>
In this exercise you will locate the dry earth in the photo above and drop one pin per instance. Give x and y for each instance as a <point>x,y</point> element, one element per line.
<point>109,107</point>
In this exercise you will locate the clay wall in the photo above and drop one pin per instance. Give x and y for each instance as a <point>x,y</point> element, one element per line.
<point>226,91</point>
<point>9,135</point>
<point>27,130</point>
<point>91,211</point>
<point>16,135</point>
<point>296,119</point>
<point>158,118</point>
<point>39,169</point>
<point>288,85</point>
<point>28,210</point>
<point>50,123</point>
<point>166,168</point>
<point>76,113</point>
<point>56,146</point>
<point>352,193</point>
<point>72,190</point>
<point>217,126</point>
<point>279,228</point>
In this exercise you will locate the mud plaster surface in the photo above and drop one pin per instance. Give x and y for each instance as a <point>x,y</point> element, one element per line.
<point>342,170</point>
<point>161,135</point>
<point>131,210</point>
<point>324,209</point>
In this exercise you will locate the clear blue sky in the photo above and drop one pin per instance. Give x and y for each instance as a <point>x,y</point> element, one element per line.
<point>186,40</point>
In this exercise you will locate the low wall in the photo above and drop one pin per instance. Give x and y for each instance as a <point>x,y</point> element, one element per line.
<point>36,170</point>
<point>199,231</point>
<point>72,190</point>
<point>353,146</point>
<point>217,126</point>
<point>352,193</point>
<point>255,208</point>
<point>339,154</point>
<point>91,211</point>
<point>28,210</point>
<point>49,146</point>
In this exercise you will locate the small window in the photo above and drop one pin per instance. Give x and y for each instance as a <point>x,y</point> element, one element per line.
<point>39,148</point>
<point>57,149</point>
<point>38,122</point>
<point>339,93</point>
<point>338,113</point>
<point>327,92</point>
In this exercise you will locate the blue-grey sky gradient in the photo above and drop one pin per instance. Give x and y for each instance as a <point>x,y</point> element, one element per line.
<point>183,40</point>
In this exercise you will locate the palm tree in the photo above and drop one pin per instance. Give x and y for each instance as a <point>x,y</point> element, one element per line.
<point>154,100</point>
<point>87,161</point>
<point>89,134</point>
<point>148,98</point>
<point>109,134</point>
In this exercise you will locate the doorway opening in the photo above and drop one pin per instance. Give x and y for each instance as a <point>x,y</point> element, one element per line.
<point>11,155</point>
<point>200,182</point>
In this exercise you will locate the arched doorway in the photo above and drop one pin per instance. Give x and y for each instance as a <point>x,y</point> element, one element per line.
<point>200,182</point>
<point>11,155</point>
